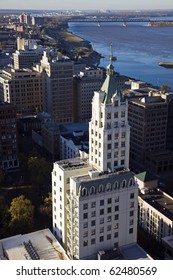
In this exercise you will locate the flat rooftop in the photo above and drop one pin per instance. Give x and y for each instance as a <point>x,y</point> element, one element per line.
<point>160,201</point>
<point>74,163</point>
<point>134,252</point>
<point>168,240</point>
<point>39,245</point>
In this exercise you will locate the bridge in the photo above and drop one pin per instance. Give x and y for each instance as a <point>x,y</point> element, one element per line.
<point>116,19</point>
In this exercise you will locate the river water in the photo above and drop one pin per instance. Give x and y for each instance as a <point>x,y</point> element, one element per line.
<point>138,48</point>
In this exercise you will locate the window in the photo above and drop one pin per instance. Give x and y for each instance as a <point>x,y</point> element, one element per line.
<point>85,234</point>
<point>109,210</point>
<point>123,114</point>
<point>109,200</point>
<point>109,219</point>
<point>102,202</point>
<point>116,103</point>
<point>116,217</point>
<point>116,245</point>
<point>132,195</point>
<point>131,204</point>
<point>101,189</point>
<point>93,232</point>
<point>85,243</point>
<point>85,225</point>
<point>93,213</point>
<point>108,116</point>
<point>116,145</point>
<point>116,226</point>
<point>101,229</point>
<point>93,241</point>
<point>131,230</point>
<point>93,223</point>
<point>131,222</point>
<point>101,221</point>
<point>101,211</point>
<point>116,208</point>
<point>109,146</point>
<point>116,115</point>
<point>101,238</point>
<point>108,236</point>
<point>123,135</point>
<point>115,234</point>
<point>117,199</point>
<point>109,136</point>
<point>116,136</point>
<point>122,153</point>
<point>131,213</point>
<point>85,216</point>
<point>108,155</point>
<point>108,227</point>
<point>85,206</point>
<point>122,162</point>
<point>123,183</point>
<point>93,204</point>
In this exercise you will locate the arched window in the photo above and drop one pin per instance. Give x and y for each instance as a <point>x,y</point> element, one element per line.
<point>92,190</point>
<point>84,192</point>
<point>123,183</point>
<point>108,187</point>
<point>116,185</point>
<point>131,181</point>
<point>101,188</point>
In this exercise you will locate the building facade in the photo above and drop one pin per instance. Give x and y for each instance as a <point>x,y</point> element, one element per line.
<point>23,88</point>
<point>26,58</point>
<point>148,121</point>
<point>58,88</point>
<point>8,137</point>
<point>95,203</point>
<point>85,84</point>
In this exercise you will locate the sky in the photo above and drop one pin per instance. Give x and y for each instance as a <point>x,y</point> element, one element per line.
<point>86,4</point>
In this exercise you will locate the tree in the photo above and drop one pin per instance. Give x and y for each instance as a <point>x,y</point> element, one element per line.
<point>2,177</point>
<point>165,87</point>
<point>46,208</point>
<point>21,215</point>
<point>40,171</point>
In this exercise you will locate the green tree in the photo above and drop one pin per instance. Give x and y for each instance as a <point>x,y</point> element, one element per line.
<point>2,178</point>
<point>40,171</point>
<point>21,215</point>
<point>165,87</point>
<point>46,208</point>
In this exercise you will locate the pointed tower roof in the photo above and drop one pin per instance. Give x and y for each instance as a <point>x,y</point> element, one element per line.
<point>110,85</point>
<point>146,176</point>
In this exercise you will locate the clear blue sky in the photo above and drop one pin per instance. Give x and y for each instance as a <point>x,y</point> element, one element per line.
<point>86,4</point>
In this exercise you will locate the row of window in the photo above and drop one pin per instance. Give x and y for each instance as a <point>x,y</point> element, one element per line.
<point>102,238</point>
<point>108,219</point>
<point>108,187</point>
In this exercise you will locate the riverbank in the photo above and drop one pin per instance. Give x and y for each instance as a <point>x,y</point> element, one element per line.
<point>75,47</point>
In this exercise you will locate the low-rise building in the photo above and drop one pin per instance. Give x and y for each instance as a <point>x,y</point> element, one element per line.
<point>155,214</point>
<point>39,245</point>
<point>71,144</point>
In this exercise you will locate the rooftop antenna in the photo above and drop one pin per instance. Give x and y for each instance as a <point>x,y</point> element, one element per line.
<point>112,57</point>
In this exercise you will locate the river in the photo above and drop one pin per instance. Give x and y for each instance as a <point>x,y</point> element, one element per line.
<point>138,48</point>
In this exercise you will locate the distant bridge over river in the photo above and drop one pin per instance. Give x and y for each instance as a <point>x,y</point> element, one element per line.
<point>116,19</point>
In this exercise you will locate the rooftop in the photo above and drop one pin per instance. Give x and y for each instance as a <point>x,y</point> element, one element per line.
<point>146,176</point>
<point>70,164</point>
<point>160,201</point>
<point>39,245</point>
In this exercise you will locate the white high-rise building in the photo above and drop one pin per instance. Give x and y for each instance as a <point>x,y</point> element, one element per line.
<point>95,200</point>
<point>109,130</point>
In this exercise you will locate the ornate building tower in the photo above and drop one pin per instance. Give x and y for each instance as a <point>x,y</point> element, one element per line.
<point>109,129</point>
